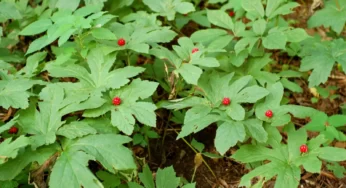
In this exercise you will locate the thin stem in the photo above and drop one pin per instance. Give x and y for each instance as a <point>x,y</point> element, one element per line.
<point>337,4</point>
<point>206,164</point>
<point>128,58</point>
<point>149,152</point>
<point>194,173</point>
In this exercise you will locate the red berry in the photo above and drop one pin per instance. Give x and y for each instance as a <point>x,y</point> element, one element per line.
<point>121,42</point>
<point>13,130</point>
<point>269,113</point>
<point>303,148</point>
<point>226,101</point>
<point>116,101</point>
<point>195,50</point>
<point>231,13</point>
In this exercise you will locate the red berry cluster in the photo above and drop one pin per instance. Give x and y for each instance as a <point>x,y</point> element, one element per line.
<point>226,101</point>
<point>13,130</point>
<point>195,50</point>
<point>116,101</point>
<point>303,148</point>
<point>231,13</point>
<point>121,42</point>
<point>269,113</point>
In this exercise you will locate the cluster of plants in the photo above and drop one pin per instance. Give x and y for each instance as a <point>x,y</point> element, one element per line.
<point>84,81</point>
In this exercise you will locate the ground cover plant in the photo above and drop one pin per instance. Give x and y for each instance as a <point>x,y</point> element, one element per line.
<point>172,93</point>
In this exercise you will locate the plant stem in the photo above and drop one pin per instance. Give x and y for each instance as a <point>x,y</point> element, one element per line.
<point>194,173</point>
<point>337,4</point>
<point>206,164</point>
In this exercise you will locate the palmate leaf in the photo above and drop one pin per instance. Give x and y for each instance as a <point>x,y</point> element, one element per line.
<point>286,159</point>
<point>165,178</point>
<point>100,77</point>
<point>216,87</point>
<point>10,169</point>
<point>330,16</point>
<point>10,149</point>
<point>108,149</point>
<point>187,64</point>
<point>168,8</point>
<point>122,115</point>
<point>229,133</point>
<point>43,124</point>
<point>71,168</point>
<point>321,60</point>
<point>13,93</point>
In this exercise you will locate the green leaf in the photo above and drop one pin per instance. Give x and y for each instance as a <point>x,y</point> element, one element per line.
<point>296,35</point>
<point>294,87</point>
<point>220,18</point>
<point>199,146</point>
<point>70,170</point>
<point>272,5</point>
<point>13,93</point>
<point>100,77</point>
<point>8,10</point>
<point>67,4</point>
<point>10,169</point>
<point>138,89</point>
<point>36,27</point>
<point>252,153</point>
<point>284,9</point>
<point>255,6</point>
<point>251,94</point>
<point>145,113</point>
<point>259,26</point>
<point>296,138</point>
<point>146,177</point>
<point>8,125</point>
<point>196,119</point>
<point>37,44</point>
<point>166,178</point>
<point>236,111</point>
<point>275,40</point>
<point>108,149</point>
<point>267,171</point>
<point>103,34</point>
<point>163,36</point>
<point>75,129</point>
<point>169,11</point>
<point>332,153</point>
<point>321,59</point>
<point>256,130</point>
<point>190,73</point>
<point>10,149</point>
<point>205,62</point>
<point>207,35</point>
<point>288,177</point>
<point>182,103</point>
<point>337,120</point>
<point>123,120</point>
<point>108,180</point>
<point>330,16</point>
<point>227,135</point>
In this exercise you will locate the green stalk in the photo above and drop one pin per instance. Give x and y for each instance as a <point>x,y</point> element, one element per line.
<point>193,149</point>
<point>337,4</point>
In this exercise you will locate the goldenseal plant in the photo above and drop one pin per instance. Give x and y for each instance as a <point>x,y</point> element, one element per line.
<point>84,84</point>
